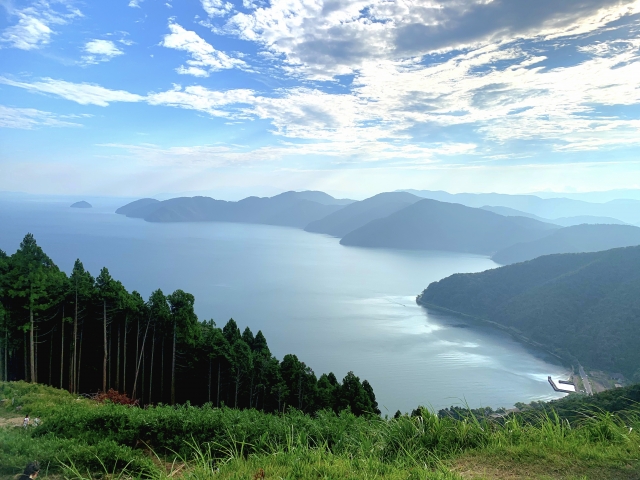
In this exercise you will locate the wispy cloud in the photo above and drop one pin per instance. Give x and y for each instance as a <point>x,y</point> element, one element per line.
<point>33,28</point>
<point>82,93</point>
<point>30,118</point>
<point>100,51</point>
<point>204,58</point>
<point>216,8</point>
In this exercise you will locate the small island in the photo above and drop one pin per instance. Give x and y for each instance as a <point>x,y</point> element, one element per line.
<point>81,204</point>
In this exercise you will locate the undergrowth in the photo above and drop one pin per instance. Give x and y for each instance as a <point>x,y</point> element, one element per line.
<point>82,439</point>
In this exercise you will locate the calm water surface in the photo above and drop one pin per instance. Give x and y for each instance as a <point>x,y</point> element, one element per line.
<point>337,308</point>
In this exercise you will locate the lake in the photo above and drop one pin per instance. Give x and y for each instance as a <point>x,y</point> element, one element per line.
<point>337,308</point>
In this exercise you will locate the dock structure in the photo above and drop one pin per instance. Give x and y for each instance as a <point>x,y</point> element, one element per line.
<point>564,386</point>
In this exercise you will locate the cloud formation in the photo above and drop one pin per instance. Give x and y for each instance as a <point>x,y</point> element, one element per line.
<point>324,38</point>
<point>204,58</point>
<point>216,8</point>
<point>100,51</point>
<point>30,118</point>
<point>82,93</point>
<point>33,28</point>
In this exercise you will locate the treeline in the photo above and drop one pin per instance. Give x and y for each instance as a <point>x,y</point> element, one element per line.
<point>583,307</point>
<point>87,334</point>
<point>573,408</point>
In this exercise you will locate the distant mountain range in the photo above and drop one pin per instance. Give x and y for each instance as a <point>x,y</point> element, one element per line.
<point>626,210</point>
<point>562,221</point>
<point>583,306</point>
<point>575,239</point>
<point>358,214</point>
<point>293,209</point>
<point>404,220</point>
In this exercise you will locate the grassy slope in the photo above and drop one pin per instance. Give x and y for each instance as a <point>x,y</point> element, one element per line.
<point>229,444</point>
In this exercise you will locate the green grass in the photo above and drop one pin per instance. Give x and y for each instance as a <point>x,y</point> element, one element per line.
<point>80,439</point>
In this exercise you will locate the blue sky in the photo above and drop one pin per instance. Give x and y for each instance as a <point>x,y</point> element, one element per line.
<point>354,97</point>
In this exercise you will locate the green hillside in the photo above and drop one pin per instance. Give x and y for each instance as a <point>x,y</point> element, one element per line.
<point>584,306</point>
<point>86,439</point>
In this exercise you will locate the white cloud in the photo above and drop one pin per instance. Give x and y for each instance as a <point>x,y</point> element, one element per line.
<point>100,51</point>
<point>320,39</point>
<point>216,8</point>
<point>29,33</point>
<point>82,93</point>
<point>33,29</point>
<point>135,3</point>
<point>204,58</point>
<point>30,118</point>
<point>217,103</point>
<point>224,155</point>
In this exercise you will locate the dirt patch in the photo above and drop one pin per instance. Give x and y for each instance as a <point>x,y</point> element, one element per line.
<point>477,468</point>
<point>11,422</point>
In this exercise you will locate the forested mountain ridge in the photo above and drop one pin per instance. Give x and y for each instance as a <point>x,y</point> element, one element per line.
<point>85,334</point>
<point>583,306</point>
<point>353,216</point>
<point>433,225</point>
<point>295,209</point>
<point>575,239</point>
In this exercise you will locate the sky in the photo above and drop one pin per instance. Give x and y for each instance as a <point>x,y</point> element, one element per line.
<point>353,97</point>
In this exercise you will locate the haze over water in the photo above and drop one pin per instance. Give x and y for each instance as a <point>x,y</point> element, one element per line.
<point>337,308</point>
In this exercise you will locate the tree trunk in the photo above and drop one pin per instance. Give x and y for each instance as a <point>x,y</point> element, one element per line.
<point>77,381</point>
<point>118,362</point>
<point>153,348</point>
<point>110,358</point>
<point>6,356</point>
<point>104,343</point>
<point>50,359</point>
<point>124,359</point>
<point>235,398</point>
<point>135,380</point>
<point>173,367</point>
<point>26,354</point>
<point>31,343</point>
<point>62,351</point>
<point>74,366</point>
<point>218,394</point>
<point>35,353</point>
<point>251,390</point>
<point>137,360</point>
<point>162,372</point>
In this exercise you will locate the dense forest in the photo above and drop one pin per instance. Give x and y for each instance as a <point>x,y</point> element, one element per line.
<point>584,307</point>
<point>87,334</point>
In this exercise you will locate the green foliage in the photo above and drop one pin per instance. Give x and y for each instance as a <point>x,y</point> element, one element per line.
<point>585,307</point>
<point>82,438</point>
<point>155,351</point>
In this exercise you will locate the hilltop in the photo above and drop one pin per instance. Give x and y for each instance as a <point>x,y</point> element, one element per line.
<point>584,306</point>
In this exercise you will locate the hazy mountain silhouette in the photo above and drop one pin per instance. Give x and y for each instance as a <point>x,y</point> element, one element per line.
<point>563,221</point>
<point>584,305</point>
<point>433,225</point>
<point>588,219</point>
<point>575,239</point>
<point>287,209</point>
<point>139,208</point>
<point>81,204</point>
<point>360,213</point>
<point>626,210</point>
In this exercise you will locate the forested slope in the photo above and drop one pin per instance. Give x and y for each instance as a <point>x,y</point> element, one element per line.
<point>433,225</point>
<point>85,334</point>
<point>585,306</point>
